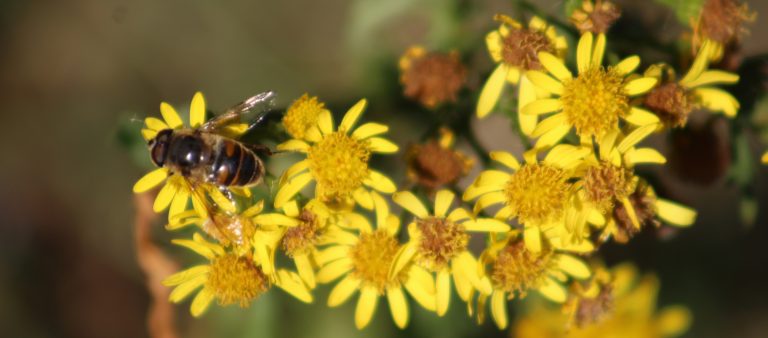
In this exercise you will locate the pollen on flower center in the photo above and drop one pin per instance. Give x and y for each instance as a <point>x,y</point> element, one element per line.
<point>302,115</point>
<point>594,101</point>
<point>339,164</point>
<point>372,256</point>
<point>521,47</point>
<point>606,183</point>
<point>671,102</point>
<point>441,240</point>
<point>537,193</point>
<point>299,239</point>
<point>516,270</point>
<point>235,279</point>
<point>229,230</point>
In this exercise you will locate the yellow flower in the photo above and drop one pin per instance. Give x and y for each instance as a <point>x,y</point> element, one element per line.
<point>228,277</point>
<point>536,193</point>
<point>234,231</point>
<point>297,233</point>
<point>438,242</point>
<point>673,100</point>
<point>365,262</point>
<point>594,101</point>
<point>764,159</point>
<point>301,117</point>
<point>515,270</point>
<point>515,49</point>
<point>431,78</point>
<point>337,160</point>
<point>177,190</point>
<point>626,306</point>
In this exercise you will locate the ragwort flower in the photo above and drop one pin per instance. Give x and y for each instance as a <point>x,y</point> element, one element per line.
<point>514,270</point>
<point>229,278</point>
<point>594,101</point>
<point>515,49</point>
<point>672,101</point>
<point>536,193</point>
<point>438,242</point>
<point>435,163</point>
<point>337,160</point>
<point>721,23</point>
<point>365,261</point>
<point>595,16</point>
<point>301,118</point>
<point>432,78</point>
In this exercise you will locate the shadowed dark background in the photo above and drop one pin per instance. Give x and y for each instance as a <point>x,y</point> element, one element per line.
<point>72,72</point>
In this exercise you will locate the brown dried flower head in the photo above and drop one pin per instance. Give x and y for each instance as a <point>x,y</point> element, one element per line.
<point>596,17</point>
<point>643,200</point>
<point>431,78</point>
<point>722,20</point>
<point>672,103</point>
<point>435,164</point>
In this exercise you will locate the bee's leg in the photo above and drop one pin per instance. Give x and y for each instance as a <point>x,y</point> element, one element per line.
<point>260,149</point>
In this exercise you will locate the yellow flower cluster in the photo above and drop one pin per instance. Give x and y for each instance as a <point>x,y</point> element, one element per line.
<point>539,215</point>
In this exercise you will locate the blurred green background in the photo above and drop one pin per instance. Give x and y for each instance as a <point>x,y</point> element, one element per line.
<point>73,72</point>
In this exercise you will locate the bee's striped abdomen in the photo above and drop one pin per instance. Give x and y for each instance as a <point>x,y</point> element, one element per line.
<point>235,165</point>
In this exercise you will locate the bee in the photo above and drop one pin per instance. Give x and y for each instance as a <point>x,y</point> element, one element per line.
<point>204,155</point>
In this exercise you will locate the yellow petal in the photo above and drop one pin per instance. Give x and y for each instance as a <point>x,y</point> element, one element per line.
<point>382,210</point>
<point>382,145</point>
<point>164,197</point>
<point>421,286</point>
<point>597,54</point>
<point>474,191</point>
<point>488,200</point>
<point>343,291</point>
<point>366,305</point>
<point>223,202</point>
<point>410,202</point>
<point>201,302</point>
<point>325,122</point>
<point>545,82</point>
<point>170,116</point>
<point>275,219</point>
<point>674,320</point>
<point>398,306</point>
<point>185,289</point>
<point>443,295</point>
<point>493,41</point>
<point>443,201</point>
<point>294,145</point>
<point>635,137</point>
<point>489,96</point>
<point>186,275</point>
<point>713,77</point>
<point>403,256</point>
<point>527,95</point>
<point>549,123</point>
<point>640,85</point>
<point>486,225</point>
<point>148,134</point>
<point>532,238</point>
<point>179,203</point>
<point>380,182</point>
<point>584,52</point>
<point>506,159</point>
<point>717,100</point>
<point>155,124</point>
<point>292,284</point>
<point>644,155</point>
<point>352,115</point>
<point>492,177</point>
<point>699,64</point>
<point>675,214</point>
<point>334,270</point>
<point>552,137</point>
<point>459,214</point>
<point>363,198</point>
<point>553,64</point>
<point>573,266</point>
<point>331,254</point>
<point>369,129</point>
<point>641,117</point>
<point>197,110</point>
<point>291,188</point>
<point>542,106</point>
<point>628,65</point>
<point>499,309</point>
<point>150,180</point>
<point>553,291</point>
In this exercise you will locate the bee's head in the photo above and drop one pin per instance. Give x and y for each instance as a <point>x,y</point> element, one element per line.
<point>158,147</point>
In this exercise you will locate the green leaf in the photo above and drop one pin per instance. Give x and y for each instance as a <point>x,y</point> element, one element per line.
<point>748,211</point>
<point>684,9</point>
<point>742,171</point>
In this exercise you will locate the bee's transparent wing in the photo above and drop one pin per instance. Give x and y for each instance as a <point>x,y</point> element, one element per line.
<point>252,112</point>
